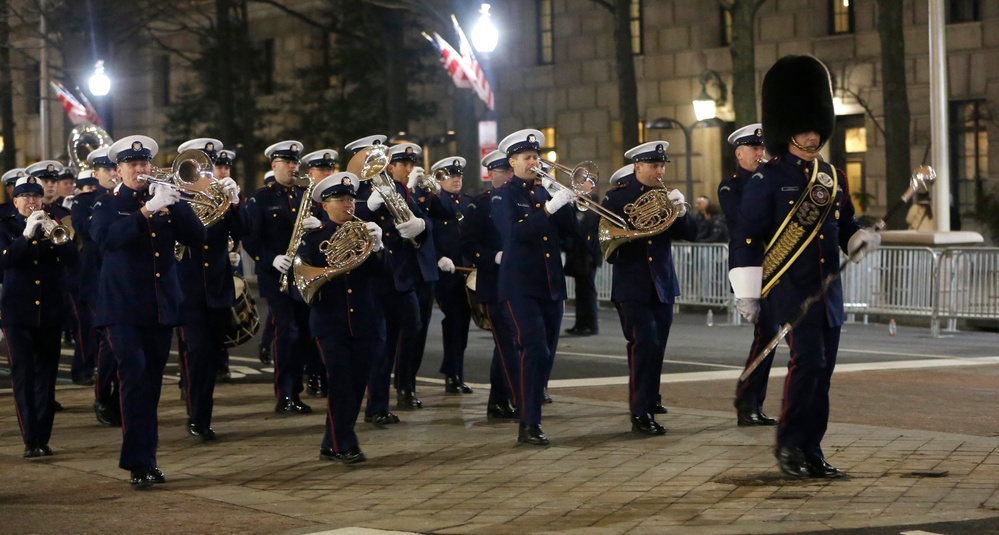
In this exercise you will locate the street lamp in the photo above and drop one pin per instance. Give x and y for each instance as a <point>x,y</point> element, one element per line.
<point>484,34</point>
<point>705,106</point>
<point>100,84</point>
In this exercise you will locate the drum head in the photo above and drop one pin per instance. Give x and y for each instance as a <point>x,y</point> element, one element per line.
<point>240,285</point>
<point>470,280</point>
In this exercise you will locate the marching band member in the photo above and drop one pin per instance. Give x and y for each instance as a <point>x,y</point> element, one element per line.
<point>139,299</point>
<point>749,394</point>
<point>346,318</point>
<point>446,210</point>
<point>47,172</point>
<point>320,164</point>
<point>796,215</point>
<point>9,179</point>
<point>31,307</point>
<point>224,160</point>
<point>83,277</point>
<point>270,328</point>
<point>482,246</point>
<point>531,281</point>
<point>410,300</point>
<point>106,388</point>
<point>271,214</point>
<point>65,187</point>
<point>645,284</point>
<point>209,294</point>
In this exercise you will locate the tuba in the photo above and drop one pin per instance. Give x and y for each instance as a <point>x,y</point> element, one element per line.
<point>192,175</point>
<point>650,214</point>
<point>83,140</point>
<point>369,164</point>
<point>346,249</point>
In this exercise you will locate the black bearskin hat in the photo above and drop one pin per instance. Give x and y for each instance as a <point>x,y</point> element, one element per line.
<point>796,97</point>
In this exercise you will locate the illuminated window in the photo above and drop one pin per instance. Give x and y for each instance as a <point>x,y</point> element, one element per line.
<point>545,31</point>
<point>726,26</point>
<point>636,26</point>
<point>969,148</point>
<point>641,131</point>
<point>840,16</point>
<point>856,139</point>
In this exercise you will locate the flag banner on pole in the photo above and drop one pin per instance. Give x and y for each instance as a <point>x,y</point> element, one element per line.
<point>77,112</point>
<point>92,115</point>
<point>451,61</point>
<point>479,82</point>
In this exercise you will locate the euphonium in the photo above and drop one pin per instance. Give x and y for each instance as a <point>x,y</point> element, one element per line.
<point>650,214</point>
<point>346,249</point>
<point>369,164</point>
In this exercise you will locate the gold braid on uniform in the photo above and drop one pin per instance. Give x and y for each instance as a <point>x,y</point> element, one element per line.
<point>785,245</point>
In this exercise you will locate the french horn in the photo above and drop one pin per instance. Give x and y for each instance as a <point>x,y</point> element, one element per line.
<point>346,249</point>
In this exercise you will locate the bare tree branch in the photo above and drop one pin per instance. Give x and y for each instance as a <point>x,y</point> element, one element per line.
<point>296,14</point>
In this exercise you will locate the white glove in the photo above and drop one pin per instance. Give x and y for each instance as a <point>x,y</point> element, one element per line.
<point>229,186</point>
<point>282,263</point>
<point>749,307</point>
<point>414,177</point>
<point>679,200</point>
<point>560,199</point>
<point>547,183</point>
<point>33,222</point>
<point>376,200</point>
<point>311,222</point>
<point>499,257</point>
<point>375,231</point>
<point>67,203</point>
<point>234,259</point>
<point>867,241</point>
<point>163,196</point>
<point>412,228</point>
<point>445,264</point>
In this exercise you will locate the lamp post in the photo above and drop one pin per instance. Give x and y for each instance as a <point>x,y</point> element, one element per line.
<point>100,87</point>
<point>485,36</point>
<point>484,33</point>
<point>705,108</point>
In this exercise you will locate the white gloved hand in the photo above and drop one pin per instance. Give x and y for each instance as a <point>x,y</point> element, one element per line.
<point>560,199</point>
<point>229,186</point>
<point>547,183</point>
<point>412,228</point>
<point>499,257</point>
<point>282,263</point>
<point>414,177</point>
<point>445,264</point>
<point>163,196</point>
<point>679,200</point>
<point>234,259</point>
<point>376,200</point>
<point>33,222</point>
<point>376,231</point>
<point>311,222</point>
<point>749,307</point>
<point>867,241</point>
<point>67,203</point>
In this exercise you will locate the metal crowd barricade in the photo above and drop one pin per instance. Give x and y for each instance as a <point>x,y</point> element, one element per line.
<point>968,279</point>
<point>894,281</point>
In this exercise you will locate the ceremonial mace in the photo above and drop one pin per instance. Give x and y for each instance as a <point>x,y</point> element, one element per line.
<point>922,178</point>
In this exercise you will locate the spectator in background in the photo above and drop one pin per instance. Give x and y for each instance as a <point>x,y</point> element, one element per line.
<point>701,217</point>
<point>716,230</point>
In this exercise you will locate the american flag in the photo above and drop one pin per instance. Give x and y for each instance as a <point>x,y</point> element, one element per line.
<point>451,60</point>
<point>78,113</point>
<point>479,81</point>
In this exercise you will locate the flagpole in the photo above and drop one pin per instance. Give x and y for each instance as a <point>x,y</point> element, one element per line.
<point>43,89</point>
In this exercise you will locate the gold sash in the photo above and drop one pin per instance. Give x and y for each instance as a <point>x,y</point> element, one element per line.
<point>799,227</point>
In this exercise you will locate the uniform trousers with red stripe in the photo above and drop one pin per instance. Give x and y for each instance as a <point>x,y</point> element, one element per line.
<point>348,360</point>
<point>504,370</point>
<point>402,327</point>
<point>753,391</point>
<point>106,386</point>
<point>537,323</point>
<point>293,345</point>
<point>33,354</point>
<point>203,336</point>
<point>646,327</point>
<point>804,412</point>
<point>142,352</point>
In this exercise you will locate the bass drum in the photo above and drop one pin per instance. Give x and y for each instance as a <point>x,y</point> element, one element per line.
<point>479,314</point>
<point>245,320</point>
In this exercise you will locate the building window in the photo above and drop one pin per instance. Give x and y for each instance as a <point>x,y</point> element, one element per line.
<point>848,151</point>
<point>32,91</point>
<point>726,26</point>
<point>545,31</point>
<point>265,73</point>
<point>840,17</point>
<point>641,131</point>
<point>964,10</point>
<point>969,151</point>
<point>635,12</point>
<point>548,151</point>
<point>161,81</point>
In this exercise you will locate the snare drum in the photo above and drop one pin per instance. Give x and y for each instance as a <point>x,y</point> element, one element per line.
<point>479,310</point>
<point>245,320</point>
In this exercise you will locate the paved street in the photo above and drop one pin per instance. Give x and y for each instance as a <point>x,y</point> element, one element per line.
<point>913,422</point>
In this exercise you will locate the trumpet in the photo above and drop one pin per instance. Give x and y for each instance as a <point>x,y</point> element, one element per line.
<point>583,180</point>
<point>54,231</point>
<point>431,183</point>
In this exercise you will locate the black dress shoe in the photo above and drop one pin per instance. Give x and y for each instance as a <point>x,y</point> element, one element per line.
<point>533,435</point>
<point>658,408</point>
<point>264,355</point>
<point>31,451</point>
<point>316,385</point>
<point>792,463</point>
<point>56,406</point>
<point>381,418</point>
<point>407,400</point>
<point>45,449</point>
<point>818,467</point>
<point>764,419</point>
<point>300,406</point>
<point>500,409</point>
<point>352,456</point>
<point>647,425</point>
<point>157,475</point>
<point>105,416</point>
<point>141,479</point>
<point>206,434</point>
<point>545,398</point>
<point>286,407</point>
<point>453,385</point>
<point>749,416</point>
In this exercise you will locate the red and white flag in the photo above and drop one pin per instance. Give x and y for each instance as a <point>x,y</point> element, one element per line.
<point>463,69</point>
<point>479,81</point>
<point>77,112</point>
<point>452,61</point>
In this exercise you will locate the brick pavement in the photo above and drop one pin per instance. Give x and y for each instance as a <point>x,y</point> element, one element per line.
<point>447,470</point>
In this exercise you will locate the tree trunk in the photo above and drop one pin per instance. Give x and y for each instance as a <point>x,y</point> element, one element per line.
<point>9,154</point>
<point>743,54</point>
<point>627,88</point>
<point>222,67</point>
<point>396,82</point>
<point>245,121</point>
<point>896,102</point>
